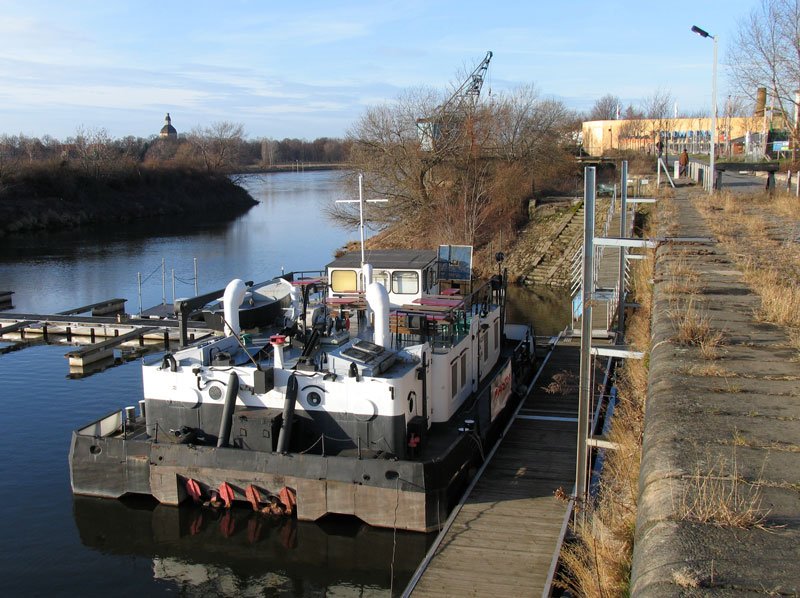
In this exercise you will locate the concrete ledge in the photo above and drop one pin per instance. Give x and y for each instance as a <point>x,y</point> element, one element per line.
<point>730,425</point>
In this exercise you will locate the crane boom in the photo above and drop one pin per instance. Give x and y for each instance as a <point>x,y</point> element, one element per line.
<point>433,130</point>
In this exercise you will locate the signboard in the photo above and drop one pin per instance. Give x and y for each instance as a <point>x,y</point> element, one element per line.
<point>455,262</point>
<point>501,390</point>
<point>780,146</point>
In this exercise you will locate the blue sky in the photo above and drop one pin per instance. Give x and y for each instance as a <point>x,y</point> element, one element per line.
<point>309,68</point>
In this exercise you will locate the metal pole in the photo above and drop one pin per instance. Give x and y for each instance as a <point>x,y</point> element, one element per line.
<point>173,286</point>
<point>584,395</point>
<point>623,233</point>
<point>195,277</point>
<point>163,281</point>
<point>139,279</point>
<point>361,216</point>
<point>712,151</point>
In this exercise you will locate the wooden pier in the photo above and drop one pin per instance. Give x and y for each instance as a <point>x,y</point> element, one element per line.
<point>115,331</point>
<point>504,541</point>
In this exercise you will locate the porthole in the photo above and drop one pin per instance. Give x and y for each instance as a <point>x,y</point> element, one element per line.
<point>215,392</point>
<point>411,396</point>
<point>314,399</point>
<point>95,450</point>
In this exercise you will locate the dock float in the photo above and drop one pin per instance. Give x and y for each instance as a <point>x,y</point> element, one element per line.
<point>504,537</point>
<point>101,308</point>
<point>82,356</point>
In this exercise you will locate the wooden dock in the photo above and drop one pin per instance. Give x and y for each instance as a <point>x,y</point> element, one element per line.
<point>505,538</point>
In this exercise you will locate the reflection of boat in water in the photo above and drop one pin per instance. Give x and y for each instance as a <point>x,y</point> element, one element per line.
<point>383,422</point>
<point>213,550</point>
<point>263,305</point>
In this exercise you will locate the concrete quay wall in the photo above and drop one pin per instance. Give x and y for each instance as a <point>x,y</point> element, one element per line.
<point>719,502</point>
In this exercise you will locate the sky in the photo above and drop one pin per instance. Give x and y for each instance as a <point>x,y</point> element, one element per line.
<point>310,68</point>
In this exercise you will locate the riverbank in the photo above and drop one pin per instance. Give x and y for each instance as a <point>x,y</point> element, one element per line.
<point>49,198</point>
<point>719,507</point>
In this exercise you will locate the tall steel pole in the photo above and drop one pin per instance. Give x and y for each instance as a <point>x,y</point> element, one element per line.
<point>713,116</point>
<point>584,394</point>
<point>623,233</point>
<point>704,33</point>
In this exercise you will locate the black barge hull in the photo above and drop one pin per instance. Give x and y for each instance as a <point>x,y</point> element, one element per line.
<point>409,495</point>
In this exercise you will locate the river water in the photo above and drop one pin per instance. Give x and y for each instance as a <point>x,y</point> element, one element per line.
<point>56,544</point>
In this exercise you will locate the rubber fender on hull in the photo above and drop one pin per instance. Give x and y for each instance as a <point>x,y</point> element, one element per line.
<point>285,435</point>
<point>227,410</point>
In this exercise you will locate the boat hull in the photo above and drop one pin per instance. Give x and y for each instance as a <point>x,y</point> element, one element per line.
<point>402,494</point>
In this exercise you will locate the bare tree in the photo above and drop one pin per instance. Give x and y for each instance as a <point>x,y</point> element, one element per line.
<point>218,146</point>
<point>95,152</point>
<point>766,53</point>
<point>459,192</point>
<point>658,109</point>
<point>606,108</point>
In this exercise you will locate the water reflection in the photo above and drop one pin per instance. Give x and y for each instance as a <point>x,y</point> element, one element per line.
<point>239,552</point>
<point>546,308</point>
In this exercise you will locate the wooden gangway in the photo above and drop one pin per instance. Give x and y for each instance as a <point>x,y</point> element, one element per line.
<point>505,538</point>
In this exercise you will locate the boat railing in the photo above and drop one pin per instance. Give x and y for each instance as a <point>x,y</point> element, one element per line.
<point>107,425</point>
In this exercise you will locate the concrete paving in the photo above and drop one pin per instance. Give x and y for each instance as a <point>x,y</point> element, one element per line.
<point>721,435</point>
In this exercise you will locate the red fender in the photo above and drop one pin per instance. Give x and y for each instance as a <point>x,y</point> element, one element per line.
<point>288,498</point>
<point>226,494</point>
<point>193,490</point>
<point>254,496</point>
<point>227,525</point>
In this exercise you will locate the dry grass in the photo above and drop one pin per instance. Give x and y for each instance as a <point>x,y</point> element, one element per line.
<point>722,499</point>
<point>780,297</point>
<point>693,328</point>
<point>597,563</point>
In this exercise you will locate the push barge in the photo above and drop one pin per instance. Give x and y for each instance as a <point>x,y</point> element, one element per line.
<point>382,416</point>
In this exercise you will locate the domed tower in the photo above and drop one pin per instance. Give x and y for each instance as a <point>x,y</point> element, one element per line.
<point>168,131</point>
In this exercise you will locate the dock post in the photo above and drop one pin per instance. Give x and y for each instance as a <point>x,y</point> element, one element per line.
<point>141,340</point>
<point>585,389</point>
<point>139,281</point>
<point>166,339</point>
<point>195,278</point>
<point>44,331</point>
<point>91,334</point>
<point>69,333</point>
<point>623,233</point>
<point>164,282</point>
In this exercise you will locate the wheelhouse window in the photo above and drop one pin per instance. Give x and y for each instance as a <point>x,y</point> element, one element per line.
<point>454,379</point>
<point>496,334</point>
<point>344,281</point>
<point>405,282</point>
<point>381,276</point>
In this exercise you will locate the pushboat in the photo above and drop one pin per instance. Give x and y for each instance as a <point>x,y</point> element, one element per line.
<point>376,397</point>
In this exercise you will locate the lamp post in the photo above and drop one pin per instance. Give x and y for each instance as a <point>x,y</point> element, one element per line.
<point>703,33</point>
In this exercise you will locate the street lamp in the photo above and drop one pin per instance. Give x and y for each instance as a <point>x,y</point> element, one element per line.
<point>703,33</point>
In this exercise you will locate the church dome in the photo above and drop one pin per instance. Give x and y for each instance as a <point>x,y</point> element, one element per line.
<point>168,130</point>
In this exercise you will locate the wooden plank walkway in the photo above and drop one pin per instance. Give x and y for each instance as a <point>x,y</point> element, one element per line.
<point>503,540</point>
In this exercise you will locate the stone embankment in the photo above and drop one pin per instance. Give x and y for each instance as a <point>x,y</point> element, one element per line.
<point>542,253</point>
<point>719,506</point>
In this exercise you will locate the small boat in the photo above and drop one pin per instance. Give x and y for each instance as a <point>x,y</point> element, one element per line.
<point>378,400</point>
<point>263,305</point>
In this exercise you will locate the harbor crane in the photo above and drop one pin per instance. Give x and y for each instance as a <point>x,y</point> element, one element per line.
<point>447,123</point>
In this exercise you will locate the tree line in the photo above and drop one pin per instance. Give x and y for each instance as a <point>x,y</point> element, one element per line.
<point>218,148</point>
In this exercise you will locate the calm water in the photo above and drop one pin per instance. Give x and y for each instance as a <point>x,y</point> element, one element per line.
<point>59,545</point>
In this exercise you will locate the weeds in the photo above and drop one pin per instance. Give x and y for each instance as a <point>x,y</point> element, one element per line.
<point>721,499</point>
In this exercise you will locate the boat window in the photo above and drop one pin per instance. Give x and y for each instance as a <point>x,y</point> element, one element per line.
<point>454,379</point>
<point>405,282</point>
<point>486,346</point>
<point>381,276</point>
<point>463,368</point>
<point>496,334</point>
<point>344,281</point>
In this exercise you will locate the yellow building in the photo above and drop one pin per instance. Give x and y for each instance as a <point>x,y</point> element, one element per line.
<point>600,136</point>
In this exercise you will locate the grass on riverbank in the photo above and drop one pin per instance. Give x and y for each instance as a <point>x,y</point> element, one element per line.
<point>761,232</point>
<point>597,562</point>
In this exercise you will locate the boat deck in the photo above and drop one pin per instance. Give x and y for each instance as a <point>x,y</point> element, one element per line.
<point>503,540</point>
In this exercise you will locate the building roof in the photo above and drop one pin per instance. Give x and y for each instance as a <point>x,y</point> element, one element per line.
<point>168,130</point>
<point>412,259</point>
